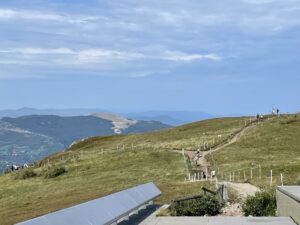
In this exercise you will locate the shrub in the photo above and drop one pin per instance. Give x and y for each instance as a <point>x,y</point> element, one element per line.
<point>26,173</point>
<point>55,171</point>
<point>262,204</point>
<point>206,205</point>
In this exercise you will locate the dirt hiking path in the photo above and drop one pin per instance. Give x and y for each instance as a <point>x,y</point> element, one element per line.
<point>202,161</point>
<point>243,190</point>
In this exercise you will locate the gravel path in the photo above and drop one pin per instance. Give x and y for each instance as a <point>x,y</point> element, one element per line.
<point>243,189</point>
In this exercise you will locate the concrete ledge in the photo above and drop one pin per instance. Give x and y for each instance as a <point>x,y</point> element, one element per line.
<point>288,202</point>
<point>219,220</point>
<point>291,191</point>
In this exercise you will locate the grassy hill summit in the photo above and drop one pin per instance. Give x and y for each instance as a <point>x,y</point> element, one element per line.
<point>99,166</point>
<point>271,145</point>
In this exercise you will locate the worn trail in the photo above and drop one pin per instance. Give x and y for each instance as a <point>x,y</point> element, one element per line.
<point>203,163</point>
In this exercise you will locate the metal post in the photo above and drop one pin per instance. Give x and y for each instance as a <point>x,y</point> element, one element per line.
<point>271,177</point>
<point>281,179</point>
<point>259,171</point>
<point>251,175</point>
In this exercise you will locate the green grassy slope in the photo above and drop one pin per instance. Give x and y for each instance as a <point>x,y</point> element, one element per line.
<point>91,177</point>
<point>101,165</point>
<point>273,144</point>
<point>97,167</point>
<point>188,136</point>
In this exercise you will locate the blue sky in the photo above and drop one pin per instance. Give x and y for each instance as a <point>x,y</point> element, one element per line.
<point>222,57</point>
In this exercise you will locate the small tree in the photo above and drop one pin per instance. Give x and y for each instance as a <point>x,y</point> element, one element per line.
<point>26,173</point>
<point>55,171</point>
<point>261,204</point>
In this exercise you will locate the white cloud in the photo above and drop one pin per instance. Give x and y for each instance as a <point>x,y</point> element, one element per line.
<point>85,56</point>
<point>11,14</point>
<point>96,55</point>
<point>180,56</point>
<point>41,51</point>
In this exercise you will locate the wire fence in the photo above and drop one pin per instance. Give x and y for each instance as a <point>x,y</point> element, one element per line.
<point>255,174</point>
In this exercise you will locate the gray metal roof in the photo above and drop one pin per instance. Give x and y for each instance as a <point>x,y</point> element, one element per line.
<point>291,191</point>
<point>102,211</point>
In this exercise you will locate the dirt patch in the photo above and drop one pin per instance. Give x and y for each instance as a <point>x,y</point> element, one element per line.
<point>243,190</point>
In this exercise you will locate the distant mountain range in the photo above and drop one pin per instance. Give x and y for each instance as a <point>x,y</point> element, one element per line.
<point>28,138</point>
<point>173,118</point>
<point>59,112</point>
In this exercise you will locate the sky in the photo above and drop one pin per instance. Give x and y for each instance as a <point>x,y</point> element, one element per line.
<point>221,57</point>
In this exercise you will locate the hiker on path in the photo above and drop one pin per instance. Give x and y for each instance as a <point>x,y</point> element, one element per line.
<point>213,174</point>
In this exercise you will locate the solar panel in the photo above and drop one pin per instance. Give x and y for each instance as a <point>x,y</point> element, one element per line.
<point>102,211</point>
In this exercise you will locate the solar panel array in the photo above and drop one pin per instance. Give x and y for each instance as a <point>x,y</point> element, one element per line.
<point>102,211</point>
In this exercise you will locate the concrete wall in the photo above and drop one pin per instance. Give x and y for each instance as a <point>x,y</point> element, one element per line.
<point>288,206</point>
